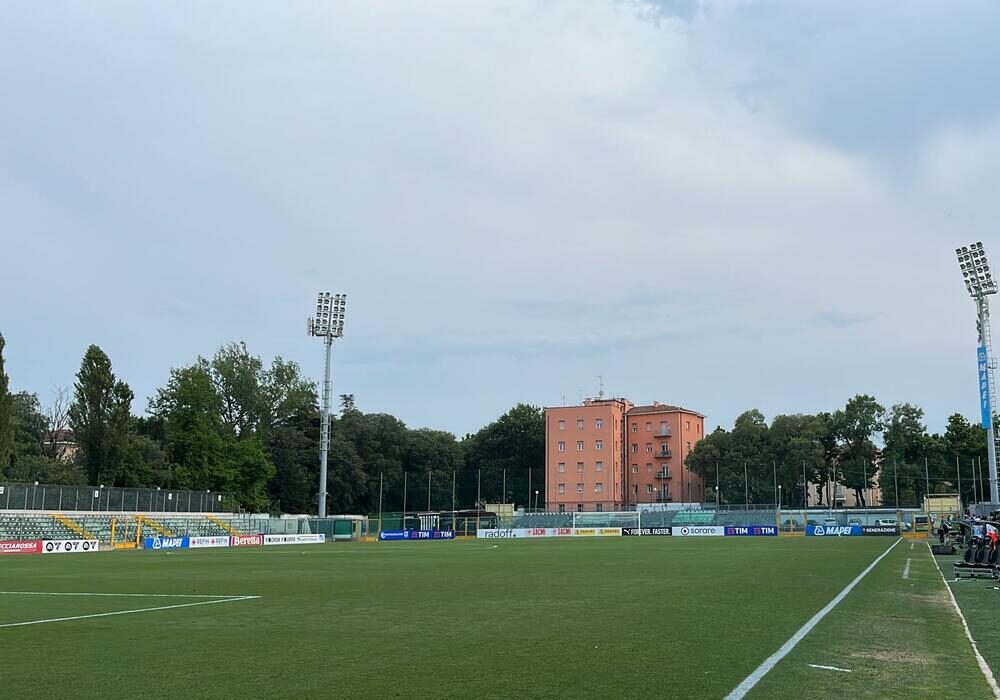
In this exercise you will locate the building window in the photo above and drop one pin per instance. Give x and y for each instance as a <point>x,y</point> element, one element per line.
<point>598,487</point>
<point>689,425</point>
<point>599,467</point>
<point>579,507</point>
<point>579,445</point>
<point>635,427</point>
<point>562,446</point>
<point>649,467</point>
<point>649,447</point>
<point>579,466</point>
<point>635,447</point>
<point>562,466</point>
<point>635,468</point>
<point>562,488</point>
<point>663,469</point>
<point>562,425</point>
<point>562,507</point>
<point>599,508</point>
<point>599,423</point>
<point>599,445</point>
<point>635,489</point>
<point>649,488</point>
<point>689,445</point>
<point>579,423</point>
<point>649,427</point>
<point>579,488</point>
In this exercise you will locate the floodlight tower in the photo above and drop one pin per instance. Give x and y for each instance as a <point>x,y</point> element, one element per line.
<point>328,324</point>
<point>980,283</point>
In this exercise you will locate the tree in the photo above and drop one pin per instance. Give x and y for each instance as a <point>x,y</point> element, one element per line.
<point>6,415</point>
<point>100,416</point>
<point>514,445</point>
<point>856,425</point>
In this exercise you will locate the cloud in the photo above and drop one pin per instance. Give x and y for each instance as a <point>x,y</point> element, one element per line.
<point>685,198</point>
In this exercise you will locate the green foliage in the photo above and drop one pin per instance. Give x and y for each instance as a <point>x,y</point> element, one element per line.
<point>6,415</point>
<point>101,418</point>
<point>513,444</point>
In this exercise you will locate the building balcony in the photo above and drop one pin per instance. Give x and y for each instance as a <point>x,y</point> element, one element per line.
<point>665,433</point>
<point>663,475</point>
<point>664,454</point>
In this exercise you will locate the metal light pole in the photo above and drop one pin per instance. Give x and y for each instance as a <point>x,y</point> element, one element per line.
<point>328,324</point>
<point>979,283</point>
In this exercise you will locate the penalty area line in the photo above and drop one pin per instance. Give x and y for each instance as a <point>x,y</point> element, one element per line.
<point>740,691</point>
<point>983,666</point>
<point>129,612</point>
<point>130,595</point>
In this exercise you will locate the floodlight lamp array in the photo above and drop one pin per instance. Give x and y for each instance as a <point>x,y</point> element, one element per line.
<point>329,319</point>
<point>976,270</point>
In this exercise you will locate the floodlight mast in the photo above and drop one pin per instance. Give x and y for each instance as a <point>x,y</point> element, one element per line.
<point>979,283</point>
<point>328,324</point>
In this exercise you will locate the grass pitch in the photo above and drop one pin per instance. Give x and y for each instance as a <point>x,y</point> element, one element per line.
<point>582,618</point>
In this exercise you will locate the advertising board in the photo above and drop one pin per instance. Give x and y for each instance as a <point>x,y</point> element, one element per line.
<point>699,531</point>
<point>246,540</point>
<point>21,547</point>
<point>751,530</point>
<point>409,535</point>
<point>212,541</point>
<point>69,546</point>
<point>880,530</point>
<point>294,539</point>
<point>165,543</point>
<point>645,531</point>
<point>833,530</point>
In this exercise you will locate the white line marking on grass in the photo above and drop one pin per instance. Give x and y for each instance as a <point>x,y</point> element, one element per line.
<point>770,662</point>
<point>983,666</point>
<point>911,545</point>
<point>129,612</point>
<point>906,569</point>
<point>131,595</point>
<point>830,668</point>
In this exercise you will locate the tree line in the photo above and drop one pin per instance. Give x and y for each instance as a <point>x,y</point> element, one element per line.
<point>235,424</point>
<point>860,446</point>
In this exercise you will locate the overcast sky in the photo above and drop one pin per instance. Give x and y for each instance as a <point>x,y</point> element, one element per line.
<point>724,205</point>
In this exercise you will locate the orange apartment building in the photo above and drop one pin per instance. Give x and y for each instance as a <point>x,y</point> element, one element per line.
<point>609,454</point>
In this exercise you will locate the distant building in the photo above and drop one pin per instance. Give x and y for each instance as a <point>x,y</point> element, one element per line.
<point>61,444</point>
<point>608,454</point>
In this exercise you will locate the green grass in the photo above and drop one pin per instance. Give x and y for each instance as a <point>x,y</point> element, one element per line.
<point>583,618</point>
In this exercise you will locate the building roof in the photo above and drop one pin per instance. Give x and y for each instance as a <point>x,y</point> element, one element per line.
<point>661,408</point>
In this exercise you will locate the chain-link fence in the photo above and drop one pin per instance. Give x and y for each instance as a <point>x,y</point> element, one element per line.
<point>20,496</point>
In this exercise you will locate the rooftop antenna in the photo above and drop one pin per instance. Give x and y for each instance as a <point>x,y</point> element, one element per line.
<point>600,392</point>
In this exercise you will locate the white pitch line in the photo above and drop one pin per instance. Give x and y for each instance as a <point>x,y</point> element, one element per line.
<point>911,545</point>
<point>129,595</point>
<point>770,662</point>
<point>906,569</point>
<point>983,666</point>
<point>830,668</point>
<point>128,612</point>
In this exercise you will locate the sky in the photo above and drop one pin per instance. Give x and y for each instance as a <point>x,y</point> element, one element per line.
<point>723,205</point>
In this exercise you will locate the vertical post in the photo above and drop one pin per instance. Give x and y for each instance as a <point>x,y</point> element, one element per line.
<point>428,490</point>
<point>324,426</point>
<point>746,487</point>
<point>717,485</point>
<point>774,467</point>
<point>986,402</point>
<point>958,472</point>
<point>453,511</point>
<point>379,505</point>
<point>927,480</point>
<point>895,482</point>
<point>479,484</point>
<point>403,527</point>
<point>865,492</point>
<point>528,505</point>
<point>805,487</point>
<point>503,496</point>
